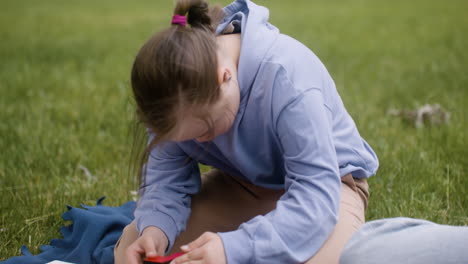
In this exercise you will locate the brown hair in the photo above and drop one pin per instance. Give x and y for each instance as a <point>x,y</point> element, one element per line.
<point>175,66</point>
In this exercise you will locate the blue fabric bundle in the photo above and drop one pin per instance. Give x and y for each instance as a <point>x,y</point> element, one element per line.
<point>90,239</point>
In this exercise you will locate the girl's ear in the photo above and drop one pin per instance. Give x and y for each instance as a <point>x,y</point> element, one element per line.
<point>227,76</point>
<point>224,74</point>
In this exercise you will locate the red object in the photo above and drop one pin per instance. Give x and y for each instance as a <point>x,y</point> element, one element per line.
<point>161,259</point>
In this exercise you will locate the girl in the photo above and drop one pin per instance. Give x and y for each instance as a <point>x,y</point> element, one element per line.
<point>224,88</point>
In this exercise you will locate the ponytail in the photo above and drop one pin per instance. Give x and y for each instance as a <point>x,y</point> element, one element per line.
<point>198,14</point>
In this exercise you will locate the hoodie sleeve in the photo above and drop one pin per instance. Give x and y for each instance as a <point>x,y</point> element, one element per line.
<point>307,213</point>
<point>171,177</point>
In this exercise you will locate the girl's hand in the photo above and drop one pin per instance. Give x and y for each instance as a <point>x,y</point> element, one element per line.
<point>152,242</point>
<point>207,249</point>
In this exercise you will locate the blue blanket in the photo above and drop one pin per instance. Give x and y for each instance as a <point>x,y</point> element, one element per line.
<point>89,239</point>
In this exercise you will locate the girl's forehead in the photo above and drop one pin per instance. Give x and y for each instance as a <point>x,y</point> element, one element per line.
<point>193,116</point>
<point>191,112</point>
<point>199,110</point>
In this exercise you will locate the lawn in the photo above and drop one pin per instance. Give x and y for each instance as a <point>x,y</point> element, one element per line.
<point>66,107</point>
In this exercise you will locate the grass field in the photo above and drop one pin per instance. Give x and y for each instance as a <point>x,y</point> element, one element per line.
<point>65,101</point>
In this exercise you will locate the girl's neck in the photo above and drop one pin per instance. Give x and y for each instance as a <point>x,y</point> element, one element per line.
<point>229,49</point>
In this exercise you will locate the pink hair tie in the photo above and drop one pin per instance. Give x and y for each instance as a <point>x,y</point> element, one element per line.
<point>179,20</point>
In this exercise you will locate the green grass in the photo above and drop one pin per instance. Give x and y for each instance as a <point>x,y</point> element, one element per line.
<point>65,101</point>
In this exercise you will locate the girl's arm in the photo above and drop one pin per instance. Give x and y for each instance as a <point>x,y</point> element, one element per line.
<point>307,213</point>
<point>171,177</point>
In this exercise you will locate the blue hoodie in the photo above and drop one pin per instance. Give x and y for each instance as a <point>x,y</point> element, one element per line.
<point>291,132</point>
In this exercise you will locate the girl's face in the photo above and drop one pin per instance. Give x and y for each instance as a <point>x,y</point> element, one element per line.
<point>222,115</point>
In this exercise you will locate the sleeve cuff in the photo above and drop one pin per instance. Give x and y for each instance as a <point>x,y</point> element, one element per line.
<point>238,246</point>
<point>161,221</point>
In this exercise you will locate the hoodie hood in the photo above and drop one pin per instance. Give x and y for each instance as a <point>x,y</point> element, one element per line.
<point>257,37</point>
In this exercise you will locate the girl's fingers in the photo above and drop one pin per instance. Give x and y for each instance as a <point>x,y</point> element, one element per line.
<point>140,247</point>
<point>185,248</point>
<point>191,262</point>
<point>194,255</point>
<point>133,255</point>
<point>149,248</point>
<point>203,239</point>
